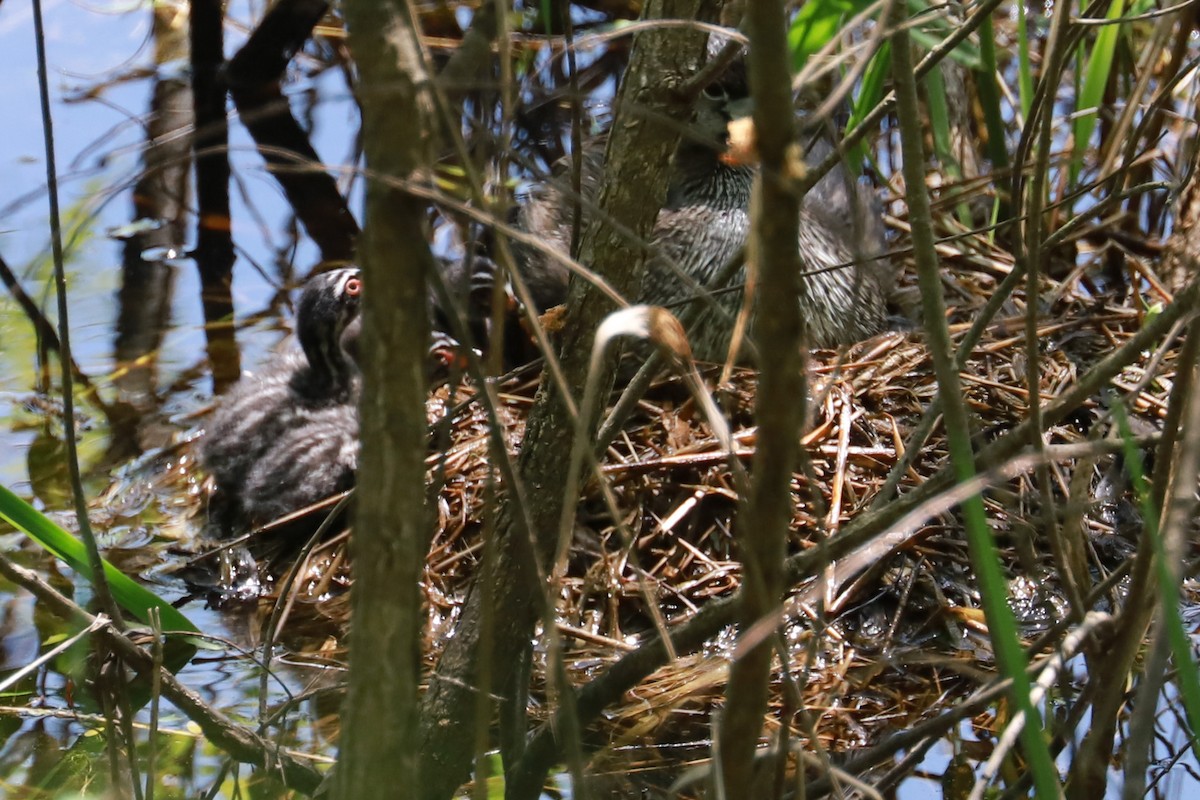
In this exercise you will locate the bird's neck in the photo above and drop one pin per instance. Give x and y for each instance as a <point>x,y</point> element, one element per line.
<point>699,177</point>
<point>330,375</point>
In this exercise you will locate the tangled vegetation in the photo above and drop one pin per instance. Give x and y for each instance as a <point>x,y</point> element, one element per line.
<point>958,552</point>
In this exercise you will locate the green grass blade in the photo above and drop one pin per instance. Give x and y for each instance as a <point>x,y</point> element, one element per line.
<point>1188,680</point>
<point>939,124</point>
<point>939,118</point>
<point>993,588</point>
<point>1091,93</point>
<point>869,94</point>
<point>1024,64</point>
<point>1002,630</point>
<point>989,96</point>
<point>133,597</point>
<point>935,29</point>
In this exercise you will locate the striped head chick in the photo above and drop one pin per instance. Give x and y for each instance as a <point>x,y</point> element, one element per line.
<point>327,327</point>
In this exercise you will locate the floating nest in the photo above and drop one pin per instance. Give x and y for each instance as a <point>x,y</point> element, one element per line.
<point>871,649</point>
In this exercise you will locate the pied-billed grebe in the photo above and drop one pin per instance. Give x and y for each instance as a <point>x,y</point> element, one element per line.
<point>287,436</point>
<point>705,222</point>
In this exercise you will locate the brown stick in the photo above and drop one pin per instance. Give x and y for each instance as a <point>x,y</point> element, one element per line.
<point>240,743</point>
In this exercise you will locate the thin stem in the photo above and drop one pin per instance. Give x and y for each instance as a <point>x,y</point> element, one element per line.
<point>992,586</point>
<point>99,581</point>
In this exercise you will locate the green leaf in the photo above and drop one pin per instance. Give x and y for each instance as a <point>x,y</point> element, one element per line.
<point>939,118</point>
<point>989,95</point>
<point>1095,79</point>
<point>1024,64</point>
<point>132,596</point>
<point>817,22</point>
<point>869,94</point>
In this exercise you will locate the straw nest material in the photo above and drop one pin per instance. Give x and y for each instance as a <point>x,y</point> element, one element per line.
<point>878,647</point>
<point>891,640</point>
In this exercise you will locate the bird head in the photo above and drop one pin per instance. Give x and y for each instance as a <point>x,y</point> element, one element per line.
<point>328,309</point>
<point>722,100</point>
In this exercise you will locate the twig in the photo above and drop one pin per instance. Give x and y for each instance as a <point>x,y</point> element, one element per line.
<point>241,743</point>
<point>99,581</point>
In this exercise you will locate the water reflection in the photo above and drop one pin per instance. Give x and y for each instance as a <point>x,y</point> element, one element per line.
<point>140,335</point>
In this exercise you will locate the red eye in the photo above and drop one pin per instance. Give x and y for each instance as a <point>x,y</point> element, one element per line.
<point>354,287</point>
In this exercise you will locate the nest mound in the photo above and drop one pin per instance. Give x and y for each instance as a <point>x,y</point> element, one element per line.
<point>894,630</point>
<point>883,638</point>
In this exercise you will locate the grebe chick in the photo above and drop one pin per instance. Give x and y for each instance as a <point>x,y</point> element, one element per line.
<point>298,412</point>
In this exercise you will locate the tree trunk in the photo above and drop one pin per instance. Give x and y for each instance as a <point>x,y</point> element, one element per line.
<point>646,132</point>
<point>379,724</point>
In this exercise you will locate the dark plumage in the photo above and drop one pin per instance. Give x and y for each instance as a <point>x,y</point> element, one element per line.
<point>310,462</point>
<point>469,282</point>
<point>705,221</point>
<point>287,436</point>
